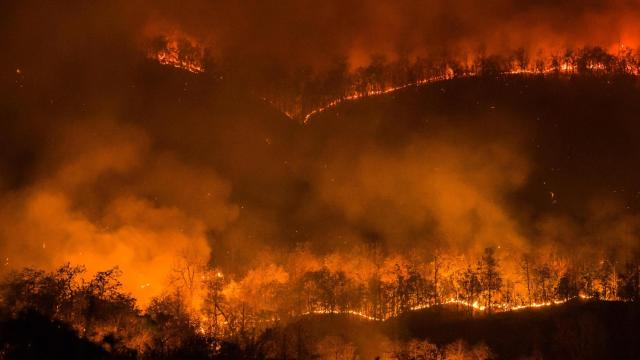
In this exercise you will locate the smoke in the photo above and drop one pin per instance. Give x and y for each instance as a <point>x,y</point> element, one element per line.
<point>311,33</point>
<point>251,39</point>
<point>107,158</point>
<point>427,193</point>
<point>104,199</point>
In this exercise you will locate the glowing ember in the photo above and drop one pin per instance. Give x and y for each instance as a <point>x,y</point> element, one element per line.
<point>542,68</point>
<point>475,306</point>
<point>180,53</point>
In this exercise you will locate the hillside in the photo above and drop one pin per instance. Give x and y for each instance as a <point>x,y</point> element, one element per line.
<point>576,134</point>
<point>577,330</point>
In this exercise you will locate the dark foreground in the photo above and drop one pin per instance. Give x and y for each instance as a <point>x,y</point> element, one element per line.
<point>592,330</point>
<point>577,330</point>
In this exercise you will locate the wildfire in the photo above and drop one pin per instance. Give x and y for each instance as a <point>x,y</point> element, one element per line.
<point>180,53</point>
<point>564,68</point>
<point>476,306</point>
<point>357,96</point>
<point>348,312</point>
<point>186,54</point>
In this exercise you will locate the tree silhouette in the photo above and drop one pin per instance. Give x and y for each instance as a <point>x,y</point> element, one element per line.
<point>490,276</point>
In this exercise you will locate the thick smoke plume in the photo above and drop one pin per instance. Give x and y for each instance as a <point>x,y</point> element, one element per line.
<point>108,158</point>
<point>103,200</point>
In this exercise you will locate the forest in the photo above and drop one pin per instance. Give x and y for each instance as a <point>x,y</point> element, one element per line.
<point>205,313</point>
<point>336,179</point>
<point>303,93</point>
<point>255,311</point>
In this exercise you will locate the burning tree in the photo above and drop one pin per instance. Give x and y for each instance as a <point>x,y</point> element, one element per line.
<point>490,277</point>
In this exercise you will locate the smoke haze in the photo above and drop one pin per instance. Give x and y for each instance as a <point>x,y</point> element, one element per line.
<point>108,158</point>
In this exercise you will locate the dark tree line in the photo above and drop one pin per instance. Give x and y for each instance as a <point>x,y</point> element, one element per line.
<point>301,91</point>
<point>98,310</point>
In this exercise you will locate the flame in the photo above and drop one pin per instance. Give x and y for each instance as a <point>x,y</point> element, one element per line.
<point>181,53</point>
<point>348,312</point>
<point>357,96</point>
<point>187,54</point>
<point>563,68</point>
<point>474,305</point>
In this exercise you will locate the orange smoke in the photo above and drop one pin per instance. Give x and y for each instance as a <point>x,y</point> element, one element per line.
<point>140,221</point>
